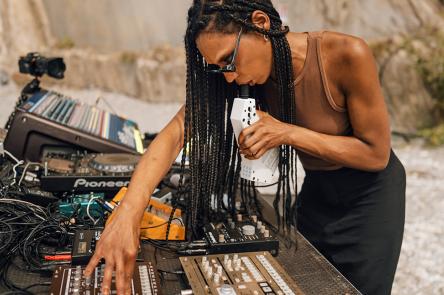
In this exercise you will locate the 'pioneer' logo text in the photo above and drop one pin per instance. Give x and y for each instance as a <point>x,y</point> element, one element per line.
<point>83,183</point>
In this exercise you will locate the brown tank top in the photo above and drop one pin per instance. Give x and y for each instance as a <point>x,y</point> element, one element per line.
<point>315,108</point>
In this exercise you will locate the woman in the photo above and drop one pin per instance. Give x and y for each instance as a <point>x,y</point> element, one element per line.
<point>323,99</point>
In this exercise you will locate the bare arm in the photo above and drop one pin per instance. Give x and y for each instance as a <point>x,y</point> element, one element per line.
<point>119,242</point>
<point>369,147</point>
<point>154,165</point>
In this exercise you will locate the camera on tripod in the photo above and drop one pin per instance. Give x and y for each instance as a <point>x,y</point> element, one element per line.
<point>36,65</point>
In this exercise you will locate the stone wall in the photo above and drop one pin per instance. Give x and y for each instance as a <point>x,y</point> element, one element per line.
<point>24,27</point>
<point>110,25</point>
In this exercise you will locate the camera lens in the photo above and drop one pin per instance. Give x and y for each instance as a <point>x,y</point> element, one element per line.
<point>56,68</point>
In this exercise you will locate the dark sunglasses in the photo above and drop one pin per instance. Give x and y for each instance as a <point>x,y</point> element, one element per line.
<point>231,67</point>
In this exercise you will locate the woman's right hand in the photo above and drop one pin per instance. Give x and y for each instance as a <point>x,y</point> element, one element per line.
<point>118,245</point>
<point>119,242</point>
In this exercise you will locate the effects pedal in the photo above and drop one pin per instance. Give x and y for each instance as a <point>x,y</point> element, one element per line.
<point>254,273</point>
<point>155,218</point>
<point>243,114</point>
<point>242,235</point>
<point>70,281</point>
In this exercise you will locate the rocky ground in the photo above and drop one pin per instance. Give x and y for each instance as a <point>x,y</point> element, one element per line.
<point>420,269</point>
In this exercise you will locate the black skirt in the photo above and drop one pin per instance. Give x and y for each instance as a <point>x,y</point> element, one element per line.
<point>356,220</point>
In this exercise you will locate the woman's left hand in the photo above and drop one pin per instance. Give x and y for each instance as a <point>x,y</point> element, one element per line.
<point>265,134</point>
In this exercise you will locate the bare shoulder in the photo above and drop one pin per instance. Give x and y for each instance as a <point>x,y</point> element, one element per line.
<point>346,49</point>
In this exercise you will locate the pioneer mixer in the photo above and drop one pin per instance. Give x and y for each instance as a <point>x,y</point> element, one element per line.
<point>250,273</point>
<point>87,172</point>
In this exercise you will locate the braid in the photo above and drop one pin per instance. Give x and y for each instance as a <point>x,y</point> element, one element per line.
<point>212,148</point>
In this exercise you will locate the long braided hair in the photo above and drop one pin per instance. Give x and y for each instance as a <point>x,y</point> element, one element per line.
<point>209,139</point>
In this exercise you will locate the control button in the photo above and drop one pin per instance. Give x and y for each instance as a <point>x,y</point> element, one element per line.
<point>209,272</point>
<point>228,263</point>
<point>248,230</point>
<point>238,263</point>
<point>216,278</point>
<point>219,270</point>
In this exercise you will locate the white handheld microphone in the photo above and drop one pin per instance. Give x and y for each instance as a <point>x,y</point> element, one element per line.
<point>263,170</point>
